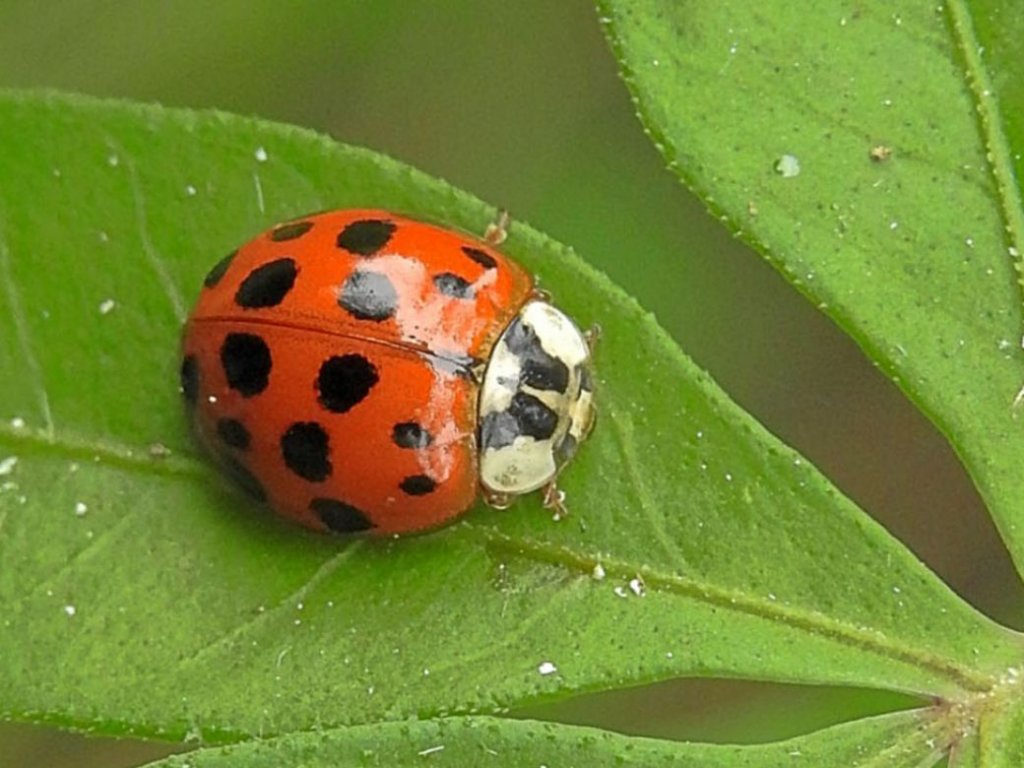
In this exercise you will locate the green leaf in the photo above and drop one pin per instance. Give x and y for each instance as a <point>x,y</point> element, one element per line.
<point>898,739</point>
<point>141,595</point>
<point>910,251</point>
<point>873,157</point>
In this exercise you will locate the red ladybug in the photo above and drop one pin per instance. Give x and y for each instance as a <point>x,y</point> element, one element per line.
<point>361,371</point>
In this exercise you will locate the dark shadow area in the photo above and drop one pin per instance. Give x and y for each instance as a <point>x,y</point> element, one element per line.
<point>720,711</point>
<point>36,746</point>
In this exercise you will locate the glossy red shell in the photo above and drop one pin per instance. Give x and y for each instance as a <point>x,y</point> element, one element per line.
<point>372,328</point>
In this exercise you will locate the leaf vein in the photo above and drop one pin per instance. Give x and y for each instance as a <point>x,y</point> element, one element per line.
<point>93,545</point>
<point>107,454</point>
<point>523,628</point>
<point>23,335</point>
<point>328,567</point>
<point>623,429</point>
<point>153,255</point>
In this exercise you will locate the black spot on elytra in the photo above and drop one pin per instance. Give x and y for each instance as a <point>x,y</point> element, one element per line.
<point>339,516</point>
<point>290,231</point>
<point>452,285</point>
<point>409,434</point>
<point>246,361</point>
<point>214,275</point>
<point>539,369</point>
<point>481,257</point>
<point>344,381</point>
<point>368,295</point>
<point>190,379</point>
<point>233,433</point>
<point>526,415</point>
<point>366,237</point>
<point>305,448</point>
<point>245,479</point>
<point>418,485</point>
<point>266,286</point>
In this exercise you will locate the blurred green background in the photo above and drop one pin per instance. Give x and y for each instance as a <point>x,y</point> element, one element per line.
<point>520,104</point>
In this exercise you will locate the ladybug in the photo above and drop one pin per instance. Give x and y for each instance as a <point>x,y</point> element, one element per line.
<point>363,371</point>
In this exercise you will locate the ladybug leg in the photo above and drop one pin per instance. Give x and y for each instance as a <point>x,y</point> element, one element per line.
<point>497,230</point>
<point>1018,399</point>
<point>541,294</point>
<point>495,499</point>
<point>554,499</point>
<point>593,335</point>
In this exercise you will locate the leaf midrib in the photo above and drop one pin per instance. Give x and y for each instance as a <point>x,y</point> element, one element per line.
<point>997,145</point>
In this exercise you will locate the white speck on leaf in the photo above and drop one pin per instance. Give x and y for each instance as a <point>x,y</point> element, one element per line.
<point>7,465</point>
<point>107,306</point>
<point>70,610</point>
<point>159,451</point>
<point>547,668</point>
<point>260,154</point>
<point>81,508</point>
<point>17,423</point>
<point>598,572</point>
<point>113,161</point>
<point>787,166</point>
